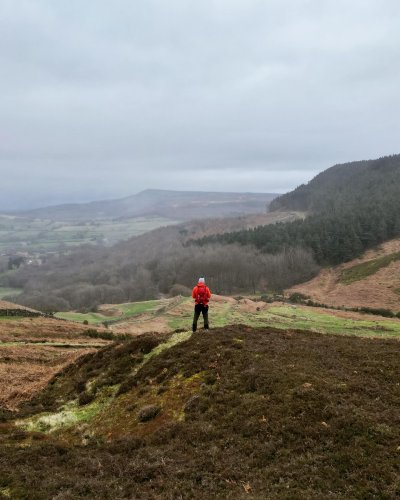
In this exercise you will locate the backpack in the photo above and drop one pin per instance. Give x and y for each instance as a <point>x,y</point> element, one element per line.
<point>201,297</point>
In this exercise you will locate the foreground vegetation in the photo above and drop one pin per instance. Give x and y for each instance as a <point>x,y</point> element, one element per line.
<point>235,413</point>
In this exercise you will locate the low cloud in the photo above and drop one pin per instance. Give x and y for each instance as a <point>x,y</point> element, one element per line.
<point>104,100</point>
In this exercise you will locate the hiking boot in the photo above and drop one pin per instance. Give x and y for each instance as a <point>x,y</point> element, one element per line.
<point>194,328</point>
<point>206,327</point>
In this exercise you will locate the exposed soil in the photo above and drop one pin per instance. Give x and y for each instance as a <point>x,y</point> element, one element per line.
<point>375,291</point>
<point>238,413</point>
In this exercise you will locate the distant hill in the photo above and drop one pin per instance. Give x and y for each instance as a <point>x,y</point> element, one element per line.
<point>176,205</point>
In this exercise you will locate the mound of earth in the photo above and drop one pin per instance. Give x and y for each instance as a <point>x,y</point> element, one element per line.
<point>233,413</point>
<point>381,289</point>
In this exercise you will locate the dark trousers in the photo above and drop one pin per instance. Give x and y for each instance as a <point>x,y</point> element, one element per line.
<point>200,309</point>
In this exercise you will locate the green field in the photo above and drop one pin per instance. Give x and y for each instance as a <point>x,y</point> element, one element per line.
<point>177,314</point>
<point>9,292</point>
<point>306,318</point>
<point>365,269</point>
<point>21,234</point>
<point>128,310</point>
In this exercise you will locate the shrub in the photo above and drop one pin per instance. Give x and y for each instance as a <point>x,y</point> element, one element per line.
<point>85,398</point>
<point>127,385</point>
<point>387,313</point>
<point>5,414</point>
<point>94,334</point>
<point>297,298</point>
<point>148,413</point>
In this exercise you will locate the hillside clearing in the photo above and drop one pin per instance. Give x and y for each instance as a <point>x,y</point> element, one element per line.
<point>370,281</point>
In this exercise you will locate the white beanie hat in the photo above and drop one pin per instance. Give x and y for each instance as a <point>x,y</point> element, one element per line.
<point>202,280</point>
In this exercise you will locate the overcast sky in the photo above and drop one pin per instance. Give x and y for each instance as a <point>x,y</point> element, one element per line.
<point>102,99</point>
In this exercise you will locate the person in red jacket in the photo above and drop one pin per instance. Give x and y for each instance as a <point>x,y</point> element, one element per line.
<point>201,294</point>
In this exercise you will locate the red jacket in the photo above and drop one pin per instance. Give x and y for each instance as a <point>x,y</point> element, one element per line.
<point>195,293</point>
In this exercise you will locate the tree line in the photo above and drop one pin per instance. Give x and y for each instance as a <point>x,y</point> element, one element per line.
<point>352,208</point>
<point>152,265</point>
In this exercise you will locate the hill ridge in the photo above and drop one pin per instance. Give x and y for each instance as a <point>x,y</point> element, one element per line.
<point>168,203</point>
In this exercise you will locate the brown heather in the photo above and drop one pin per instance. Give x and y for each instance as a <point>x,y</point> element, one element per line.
<point>241,413</point>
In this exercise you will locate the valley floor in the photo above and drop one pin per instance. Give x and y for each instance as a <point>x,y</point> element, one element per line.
<point>167,315</point>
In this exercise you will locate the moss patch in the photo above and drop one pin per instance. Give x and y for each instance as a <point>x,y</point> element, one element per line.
<point>174,339</point>
<point>71,414</point>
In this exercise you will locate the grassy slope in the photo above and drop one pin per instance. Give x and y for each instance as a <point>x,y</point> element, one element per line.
<point>124,312</point>
<point>177,314</point>
<point>242,413</point>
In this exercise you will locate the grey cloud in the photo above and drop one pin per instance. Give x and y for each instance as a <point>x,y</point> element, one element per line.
<point>101,99</point>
